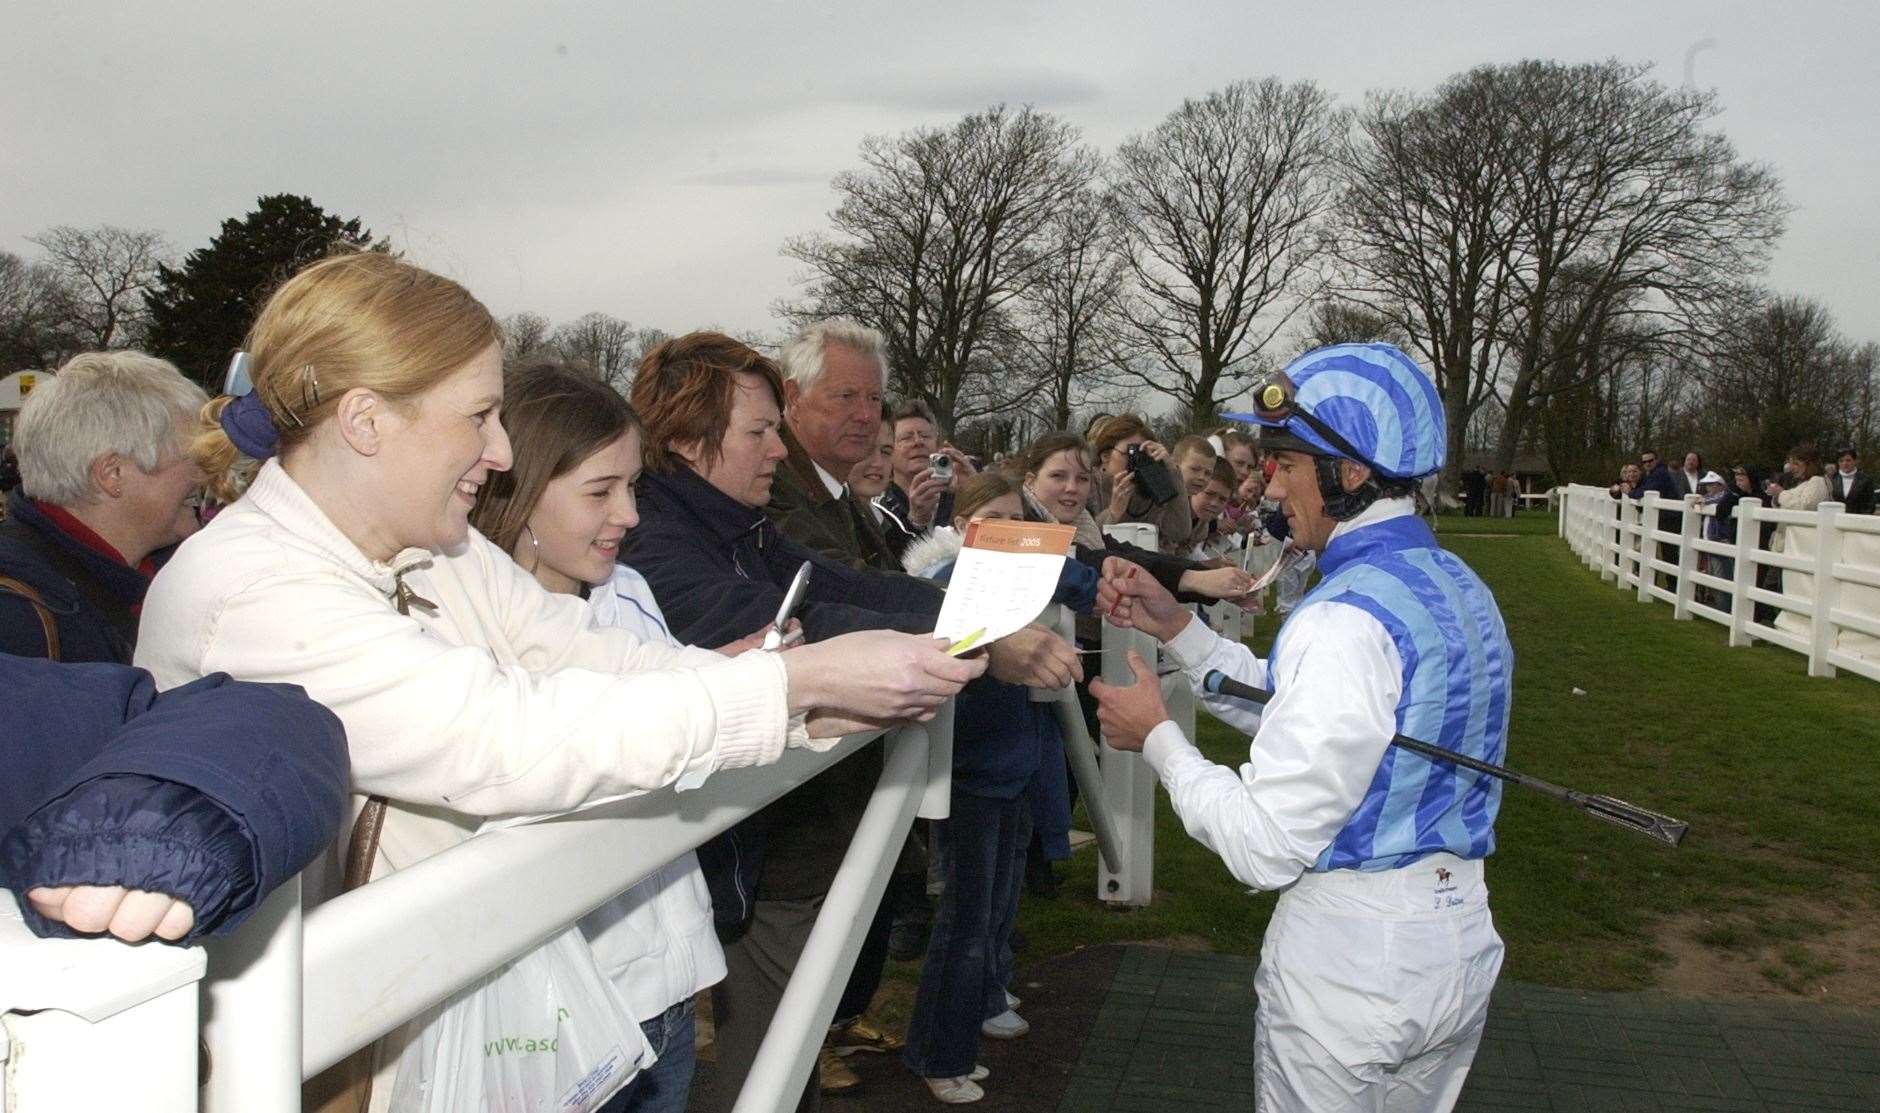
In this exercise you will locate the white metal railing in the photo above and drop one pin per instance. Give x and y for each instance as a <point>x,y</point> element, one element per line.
<point>290,994</point>
<point>1118,786</point>
<point>97,1024</point>
<point>1826,560</point>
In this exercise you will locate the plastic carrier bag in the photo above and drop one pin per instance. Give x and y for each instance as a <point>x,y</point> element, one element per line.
<point>547,1033</point>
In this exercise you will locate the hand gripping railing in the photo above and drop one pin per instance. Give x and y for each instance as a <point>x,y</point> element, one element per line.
<point>287,996</point>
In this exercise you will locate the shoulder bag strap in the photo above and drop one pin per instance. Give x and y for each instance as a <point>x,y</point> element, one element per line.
<point>48,623</point>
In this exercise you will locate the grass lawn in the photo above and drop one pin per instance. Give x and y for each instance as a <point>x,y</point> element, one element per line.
<point>1778,775</point>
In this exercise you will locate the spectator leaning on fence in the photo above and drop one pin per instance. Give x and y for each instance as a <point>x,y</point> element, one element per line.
<point>1240,451</point>
<point>1628,481</point>
<point>467,691</point>
<point>1690,479</point>
<point>870,478</point>
<point>834,373</point>
<point>1850,486</point>
<point>1207,505</point>
<point>1719,527</point>
<point>561,511</point>
<point>107,489</point>
<point>173,814</point>
<point>1004,742</point>
<point>1805,488</point>
<point>712,410</point>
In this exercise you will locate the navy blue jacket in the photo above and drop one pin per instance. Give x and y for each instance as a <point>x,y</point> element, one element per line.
<point>719,570</point>
<point>215,792</point>
<point>93,598</point>
<point>1659,479</point>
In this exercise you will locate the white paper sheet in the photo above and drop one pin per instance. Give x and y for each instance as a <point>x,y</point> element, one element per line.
<point>1005,576</point>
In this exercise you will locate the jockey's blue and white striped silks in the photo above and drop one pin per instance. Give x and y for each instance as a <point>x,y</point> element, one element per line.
<point>1458,668</point>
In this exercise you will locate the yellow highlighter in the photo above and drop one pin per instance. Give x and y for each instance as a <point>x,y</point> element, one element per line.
<point>966,642</point>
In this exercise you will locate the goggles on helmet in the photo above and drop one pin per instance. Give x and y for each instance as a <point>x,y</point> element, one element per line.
<point>1275,400</point>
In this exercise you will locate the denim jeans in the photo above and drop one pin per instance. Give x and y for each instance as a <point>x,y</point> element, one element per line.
<point>664,1086</point>
<point>1005,915</point>
<point>959,978</point>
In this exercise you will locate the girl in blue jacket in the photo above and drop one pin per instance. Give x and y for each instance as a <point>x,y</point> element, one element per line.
<point>1003,741</point>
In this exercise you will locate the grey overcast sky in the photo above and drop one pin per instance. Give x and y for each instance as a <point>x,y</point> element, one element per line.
<point>647,159</point>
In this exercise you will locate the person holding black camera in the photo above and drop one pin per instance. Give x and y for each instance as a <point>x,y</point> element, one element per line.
<point>1137,482</point>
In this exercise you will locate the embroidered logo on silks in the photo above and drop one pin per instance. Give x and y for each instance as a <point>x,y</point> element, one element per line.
<point>1443,894</point>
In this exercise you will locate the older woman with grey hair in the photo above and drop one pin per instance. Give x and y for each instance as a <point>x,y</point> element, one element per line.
<point>106,490</point>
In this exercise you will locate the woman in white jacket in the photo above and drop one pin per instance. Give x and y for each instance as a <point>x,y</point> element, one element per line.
<point>348,567</point>
<point>561,511</point>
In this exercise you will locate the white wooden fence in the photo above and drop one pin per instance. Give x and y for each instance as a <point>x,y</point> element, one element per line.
<point>95,1024</point>
<point>1827,561</point>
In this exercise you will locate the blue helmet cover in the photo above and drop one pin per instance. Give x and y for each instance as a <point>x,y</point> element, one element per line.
<point>1377,398</point>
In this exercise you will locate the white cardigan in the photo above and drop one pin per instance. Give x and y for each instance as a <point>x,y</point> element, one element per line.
<point>504,700</point>
<point>655,941</point>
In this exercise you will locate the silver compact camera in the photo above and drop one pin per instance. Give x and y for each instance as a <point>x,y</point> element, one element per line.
<point>942,466</point>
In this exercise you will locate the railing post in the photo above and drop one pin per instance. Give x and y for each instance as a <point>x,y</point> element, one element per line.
<point>1129,785</point>
<point>1821,637</point>
<point>1560,523</point>
<point>784,1060</point>
<point>1128,782</point>
<point>936,801</point>
<point>1687,556</point>
<point>252,1011</point>
<point>1743,573</point>
<point>1647,512</point>
<point>94,1023</point>
<point>1612,527</point>
<point>1082,753</point>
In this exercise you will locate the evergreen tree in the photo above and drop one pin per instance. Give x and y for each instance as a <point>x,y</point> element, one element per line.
<point>200,311</point>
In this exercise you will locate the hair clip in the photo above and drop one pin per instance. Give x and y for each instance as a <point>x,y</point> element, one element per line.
<point>309,376</point>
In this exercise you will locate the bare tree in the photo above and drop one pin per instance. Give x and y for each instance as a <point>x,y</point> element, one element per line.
<point>34,316</point>
<point>1069,322</point>
<point>1424,237</point>
<point>605,346</point>
<point>1533,225</point>
<point>1782,374</point>
<point>524,335</point>
<point>106,271</point>
<point>933,241</point>
<point>1221,208</point>
<point>1623,207</point>
<point>1334,320</point>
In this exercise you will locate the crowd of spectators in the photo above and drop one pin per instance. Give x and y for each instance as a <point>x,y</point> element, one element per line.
<point>460,593</point>
<point>1800,484</point>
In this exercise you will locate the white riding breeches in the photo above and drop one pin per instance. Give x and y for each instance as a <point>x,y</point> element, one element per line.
<point>1374,988</point>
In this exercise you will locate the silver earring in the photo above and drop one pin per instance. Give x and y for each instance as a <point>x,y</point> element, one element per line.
<point>534,544</point>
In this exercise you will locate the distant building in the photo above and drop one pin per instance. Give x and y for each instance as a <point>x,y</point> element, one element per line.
<point>13,391</point>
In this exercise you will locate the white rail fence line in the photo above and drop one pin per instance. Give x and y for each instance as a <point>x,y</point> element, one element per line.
<point>96,1024</point>
<point>1828,562</point>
